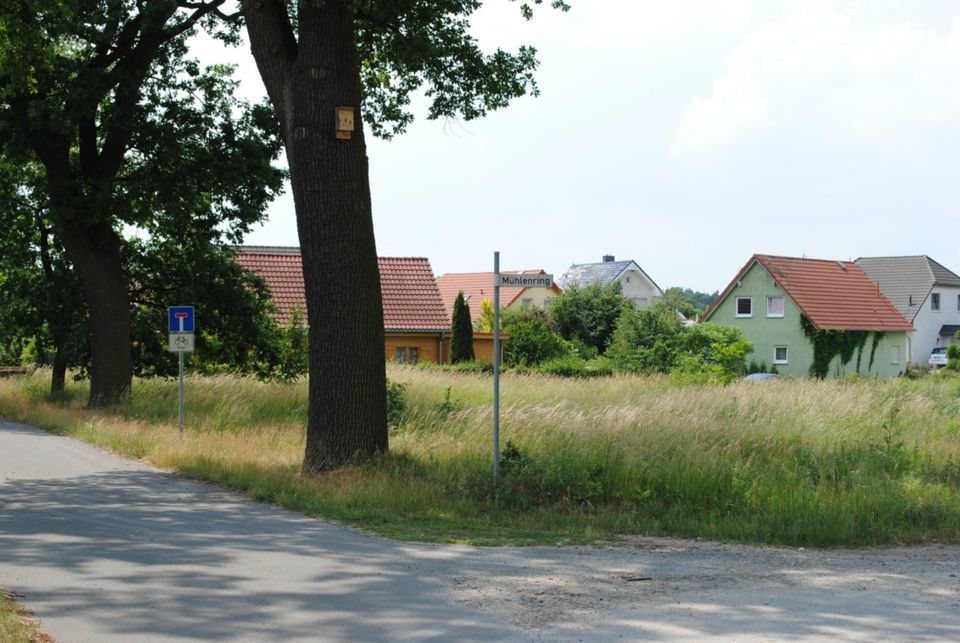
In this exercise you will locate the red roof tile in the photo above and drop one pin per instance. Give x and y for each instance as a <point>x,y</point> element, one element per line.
<point>411,300</point>
<point>477,286</point>
<point>832,294</point>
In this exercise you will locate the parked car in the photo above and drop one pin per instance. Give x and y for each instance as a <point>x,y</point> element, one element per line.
<point>753,377</point>
<point>938,357</point>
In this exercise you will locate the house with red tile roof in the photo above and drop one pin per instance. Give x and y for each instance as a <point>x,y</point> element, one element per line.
<point>780,302</point>
<point>416,324</point>
<point>478,286</point>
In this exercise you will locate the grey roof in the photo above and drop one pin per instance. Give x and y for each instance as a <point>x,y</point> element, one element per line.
<point>604,273</point>
<point>906,281</point>
<point>949,330</point>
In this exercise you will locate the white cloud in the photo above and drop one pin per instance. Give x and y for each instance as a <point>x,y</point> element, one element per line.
<point>843,73</point>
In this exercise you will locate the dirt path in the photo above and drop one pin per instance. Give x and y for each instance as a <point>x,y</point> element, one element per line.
<point>104,549</point>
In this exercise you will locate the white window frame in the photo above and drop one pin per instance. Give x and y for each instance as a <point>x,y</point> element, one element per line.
<point>526,301</point>
<point>736,307</point>
<point>784,306</point>
<point>935,302</point>
<point>895,354</point>
<point>786,352</point>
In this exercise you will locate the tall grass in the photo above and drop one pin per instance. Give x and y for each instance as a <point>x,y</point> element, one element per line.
<point>790,462</point>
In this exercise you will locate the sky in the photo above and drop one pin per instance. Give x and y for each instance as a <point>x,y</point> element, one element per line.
<point>686,136</point>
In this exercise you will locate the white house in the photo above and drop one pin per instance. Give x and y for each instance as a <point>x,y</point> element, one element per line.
<point>928,295</point>
<point>634,282</point>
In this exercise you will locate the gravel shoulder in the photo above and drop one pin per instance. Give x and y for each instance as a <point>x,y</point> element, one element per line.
<point>105,549</point>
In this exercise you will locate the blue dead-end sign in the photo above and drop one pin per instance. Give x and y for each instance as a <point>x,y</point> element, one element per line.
<point>180,319</point>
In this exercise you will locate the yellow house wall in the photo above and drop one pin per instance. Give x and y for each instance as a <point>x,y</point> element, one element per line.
<point>427,345</point>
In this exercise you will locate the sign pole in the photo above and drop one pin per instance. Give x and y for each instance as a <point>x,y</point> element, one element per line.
<point>181,392</point>
<point>496,367</point>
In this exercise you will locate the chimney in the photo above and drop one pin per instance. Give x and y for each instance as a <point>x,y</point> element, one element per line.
<point>609,259</point>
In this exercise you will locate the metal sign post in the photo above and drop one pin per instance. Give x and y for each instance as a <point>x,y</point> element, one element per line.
<point>514,280</point>
<point>180,324</point>
<point>180,414</point>
<point>496,367</point>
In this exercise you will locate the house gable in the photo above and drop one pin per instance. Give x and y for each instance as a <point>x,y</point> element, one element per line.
<point>635,283</point>
<point>767,305</point>
<point>832,294</point>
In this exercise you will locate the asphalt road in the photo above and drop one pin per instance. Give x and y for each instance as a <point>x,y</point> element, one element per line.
<point>105,549</point>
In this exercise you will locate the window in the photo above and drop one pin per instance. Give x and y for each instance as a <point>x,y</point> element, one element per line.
<point>774,306</point>
<point>780,355</point>
<point>641,301</point>
<point>412,355</point>
<point>894,354</point>
<point>935,301</point>
<point>526,301</point>
<point>744,307</point>
<point>400,355</point>
<point>958,303</point>
<point>404,355</point>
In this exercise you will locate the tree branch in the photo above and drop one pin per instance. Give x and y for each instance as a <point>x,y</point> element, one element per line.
<point>129,75</point>
<point>274,48</point>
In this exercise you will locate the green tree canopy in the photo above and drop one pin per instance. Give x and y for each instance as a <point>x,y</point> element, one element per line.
<point>589,314</point>
<point>127,131</point>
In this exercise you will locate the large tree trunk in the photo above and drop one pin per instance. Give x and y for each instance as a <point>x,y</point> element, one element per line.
<point>307,81</point>
<point>95,253</point>
<point>331,190</point>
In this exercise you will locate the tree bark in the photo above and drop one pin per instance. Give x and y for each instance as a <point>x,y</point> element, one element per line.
<point>95,253</point>
<point>307,81</point>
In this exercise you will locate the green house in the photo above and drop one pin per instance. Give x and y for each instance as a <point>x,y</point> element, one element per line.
<point>814,316</point>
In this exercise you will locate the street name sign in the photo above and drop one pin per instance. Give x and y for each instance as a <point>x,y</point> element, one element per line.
<point>524,281</point>
<point>180,319</point>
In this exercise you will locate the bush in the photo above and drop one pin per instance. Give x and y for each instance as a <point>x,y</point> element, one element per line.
<point>396,405</point>
<point>953,357</point>
<point>532,340</point>
<point>573,366</point>
<point>646,341</point>
<point>589,315</point>
<point>653,340</point>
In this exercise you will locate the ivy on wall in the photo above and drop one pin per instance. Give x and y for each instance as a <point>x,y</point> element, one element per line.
<point>877,336</point>
<point>828,343</point>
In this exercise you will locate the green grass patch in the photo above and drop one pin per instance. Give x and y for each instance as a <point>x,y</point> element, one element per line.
<point>790,462</point>
<point>16,626</point>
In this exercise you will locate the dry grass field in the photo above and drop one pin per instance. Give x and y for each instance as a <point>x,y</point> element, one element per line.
<point>798,462</point>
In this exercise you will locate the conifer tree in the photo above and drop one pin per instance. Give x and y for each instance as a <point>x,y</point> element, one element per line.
<point>461,338</point>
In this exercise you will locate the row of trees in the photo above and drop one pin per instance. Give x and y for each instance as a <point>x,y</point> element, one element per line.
<point>107,126</point>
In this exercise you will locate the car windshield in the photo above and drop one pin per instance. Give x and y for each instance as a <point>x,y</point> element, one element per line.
<point>939,351</point>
